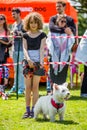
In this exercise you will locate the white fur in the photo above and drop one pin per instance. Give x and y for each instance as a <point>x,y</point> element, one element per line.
<point>43,105</point>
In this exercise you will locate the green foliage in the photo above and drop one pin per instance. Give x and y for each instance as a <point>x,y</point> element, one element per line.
<point>82,24</point>
<point>81,7</point>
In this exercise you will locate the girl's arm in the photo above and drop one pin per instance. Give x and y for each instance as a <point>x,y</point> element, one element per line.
<point>4,42</point>
<point>25,50</point>
<point>26,55</point>
<point>42,50</point>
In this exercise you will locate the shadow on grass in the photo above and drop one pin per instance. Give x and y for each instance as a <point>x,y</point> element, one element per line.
<point>66,122</point>
<point>13,96</point>
<point>74,98</point>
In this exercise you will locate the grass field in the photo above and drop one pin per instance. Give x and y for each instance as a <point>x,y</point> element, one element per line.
<point>11,112</point>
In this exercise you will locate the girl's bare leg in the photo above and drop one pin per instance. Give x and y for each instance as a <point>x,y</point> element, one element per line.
<point>35,88</point>
<point>28,85</point>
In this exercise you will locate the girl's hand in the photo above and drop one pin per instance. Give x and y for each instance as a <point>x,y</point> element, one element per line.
<point>41,66</point>
<point>31,63</point>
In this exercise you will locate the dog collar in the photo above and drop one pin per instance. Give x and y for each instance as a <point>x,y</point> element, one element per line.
<point>56,105</point>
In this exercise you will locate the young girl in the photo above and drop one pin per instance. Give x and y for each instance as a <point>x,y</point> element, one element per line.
<point>34,41</point>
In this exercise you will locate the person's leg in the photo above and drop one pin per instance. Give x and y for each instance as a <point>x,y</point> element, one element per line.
<point>84,83</point>
<point>21,85</point>
<point>15,54</point>
<point>20,74</point>
<point>48,83</point>
<point>27,96</point>
<point>76,79</point>
<point>13,89</point>
<point>35,91</point>
<point>35,88</point>
<point>71,80</point>
<point>6,75</point>
<point>72,74</point>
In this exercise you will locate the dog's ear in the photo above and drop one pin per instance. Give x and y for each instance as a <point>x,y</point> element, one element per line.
<point>55,86</point>
<point>65,84</point>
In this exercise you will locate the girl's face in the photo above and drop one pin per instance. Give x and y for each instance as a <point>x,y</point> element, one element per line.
<point>33,25</point>
<point>62,22</point>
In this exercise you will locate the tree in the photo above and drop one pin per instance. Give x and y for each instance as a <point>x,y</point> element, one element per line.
<point>81,7</point>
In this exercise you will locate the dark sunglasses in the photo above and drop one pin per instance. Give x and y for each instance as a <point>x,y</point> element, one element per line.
<point>59,6</point>
<point>1,18</point>
<point>63,21</point>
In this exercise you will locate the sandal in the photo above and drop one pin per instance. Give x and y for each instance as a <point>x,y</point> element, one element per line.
<point>31,114</point>
<point>26,115</point>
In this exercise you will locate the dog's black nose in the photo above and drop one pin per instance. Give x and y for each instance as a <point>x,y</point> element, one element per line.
<point>68,93</point>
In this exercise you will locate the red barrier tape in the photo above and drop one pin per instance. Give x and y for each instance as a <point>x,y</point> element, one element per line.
<point>11,36</point>
<point>69,37</point>
<point>46,63</point>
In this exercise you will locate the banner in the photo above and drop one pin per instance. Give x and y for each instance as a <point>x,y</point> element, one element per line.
<point>45,7</point>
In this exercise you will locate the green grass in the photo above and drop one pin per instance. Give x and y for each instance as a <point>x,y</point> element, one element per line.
<point>11,111</point>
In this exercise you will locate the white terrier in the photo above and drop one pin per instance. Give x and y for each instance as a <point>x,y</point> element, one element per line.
<point>51,104</point>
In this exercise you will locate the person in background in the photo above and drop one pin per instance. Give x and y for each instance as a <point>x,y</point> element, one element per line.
<point>34,41</point>
<point>4,42</point>
<point>59,49</point>
<point>53,27</point>
<point>60,7</point>
<point>81,56</point>
<point>17,30</point>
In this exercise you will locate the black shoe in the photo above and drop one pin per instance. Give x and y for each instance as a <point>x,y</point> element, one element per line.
<point>26,115</point>
<point>31,114</point>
